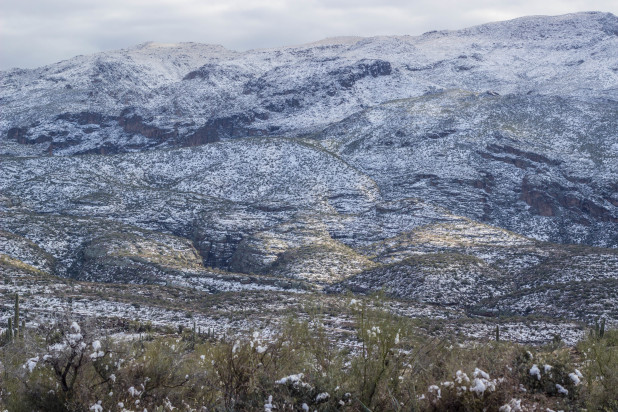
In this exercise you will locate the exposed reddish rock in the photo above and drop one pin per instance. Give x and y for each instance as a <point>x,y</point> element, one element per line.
<point>518,158</point>
<point>348,76</point>
<point>537,199</point>
<point>205,134</point>
<point>18,134</point>
<point>546,200</point>
<point>485,183</point>
<point>231,126</point>
<point>135,124</point>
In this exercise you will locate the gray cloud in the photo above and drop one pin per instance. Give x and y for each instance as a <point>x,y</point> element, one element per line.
<point>38,32</point>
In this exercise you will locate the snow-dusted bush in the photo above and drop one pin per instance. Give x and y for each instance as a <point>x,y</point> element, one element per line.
<point>552,373</point>
<point>466,391</point>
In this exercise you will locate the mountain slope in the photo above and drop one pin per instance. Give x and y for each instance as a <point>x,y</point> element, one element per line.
<point>542,166</point>
<point>437,168</point>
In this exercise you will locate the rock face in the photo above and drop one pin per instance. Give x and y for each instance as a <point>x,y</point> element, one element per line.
<point>432,166</point>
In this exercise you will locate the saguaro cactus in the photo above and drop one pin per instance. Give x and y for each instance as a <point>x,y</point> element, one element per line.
<point>16,322</point>
<point>9,332</point>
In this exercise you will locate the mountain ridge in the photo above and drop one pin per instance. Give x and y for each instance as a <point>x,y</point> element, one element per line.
<point>154,99</point>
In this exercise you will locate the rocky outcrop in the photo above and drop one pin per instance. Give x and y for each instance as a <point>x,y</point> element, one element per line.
<point>132,123</point>
<point>18,134</point>
<point>238,125</point>
<point>205,72</point>
<point>348,76</point>
<point>84,118</point>
<point>552,199</point>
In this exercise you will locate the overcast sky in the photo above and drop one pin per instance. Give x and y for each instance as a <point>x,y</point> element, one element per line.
<point>38,32</point>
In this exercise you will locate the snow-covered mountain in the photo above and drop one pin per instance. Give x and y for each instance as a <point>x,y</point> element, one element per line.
<point>356,163</point>
<point>161,95</point>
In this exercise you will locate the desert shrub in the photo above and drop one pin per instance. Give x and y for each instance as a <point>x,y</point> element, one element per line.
<point>475,391</point>
<point>150,374</point>
<point>378,364</point>
<point>601,371</point>
<point>296,367</point>
<point>551,373</point>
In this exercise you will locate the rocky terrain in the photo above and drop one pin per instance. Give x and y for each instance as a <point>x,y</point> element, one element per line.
<point>473,171</point>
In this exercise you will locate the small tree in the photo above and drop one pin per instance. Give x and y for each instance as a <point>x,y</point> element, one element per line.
<point>68,348</point>
<point>68,356</point>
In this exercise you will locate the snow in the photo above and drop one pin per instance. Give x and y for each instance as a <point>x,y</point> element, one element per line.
<point>479,386</point>
<point>97,355</point>
<point>562,389</point>
<point>435,390</point>
<point>134,392</point>
<point>352,190</point>
<point>477,372</point>
<point>75,328</point>
<point>31,363</point>
<point>513,406</point>
<point>74,338</point>
<point>321,397</point>
<point>97,407</point>
<point>461,377</point>
<point>261,349</point>
<point>293,379</point>
<point>535,371</point>
<point>268,406</point>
